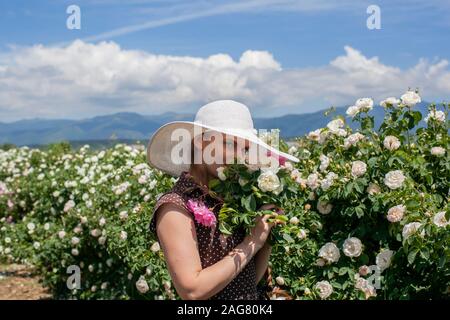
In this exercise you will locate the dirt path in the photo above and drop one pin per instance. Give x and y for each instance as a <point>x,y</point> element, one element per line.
<point>18,282</point>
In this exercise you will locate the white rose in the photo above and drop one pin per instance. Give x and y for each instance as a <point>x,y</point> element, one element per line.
<point>313,181</point>
<point>123,235</point>
<point>383,259</point>
<point>78,229</point>
<point>410,229</point>
<point>142,285</point>
<point>358,168</point>
<point>410,98</point>
<point>102,240</point>
<point>61,234</point>
<point>335,125</point>
<point>391,143</point>
<point>314,135</point>
<point>31,226</point>
<point>390,101</point>
<point>36,245</point>
<point>96,233</point>
<point>352,111</point>
<point>75,241</point>
<point>155,247</point>
<point>324,207</point>
<point>268,181</point>
<point>324,162</point>
<point>329,180</point>
<point>325,289</point>
<point>436,115</point>
<point>352,247</point>
<point>396,213</point>
<point>353,139</point>
<point>280,280</point>
<point>296,175</point>
<point>364,103</point>
<point>329,252</point>
<point>364,270</point>
<point>394,179</point>
<point>292,150</point>
<point>294,220</point>
<point>364,285</point>
<point>83,220</point>
<point>47,226</point>
<point>75,252</point>
<point>221,174</point>
<point>301,234</point>
<point>142,179</point>
<point>440,220</point>
<point>123,215</point>
<point>437,151</point>
<point>102,221</point>
<point>373,188</point>
<point>69,205</point>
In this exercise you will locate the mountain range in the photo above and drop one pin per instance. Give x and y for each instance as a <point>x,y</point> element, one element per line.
<point>134,126</point>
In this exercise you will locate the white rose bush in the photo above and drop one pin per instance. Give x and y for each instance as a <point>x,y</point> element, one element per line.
<point>365,212</point>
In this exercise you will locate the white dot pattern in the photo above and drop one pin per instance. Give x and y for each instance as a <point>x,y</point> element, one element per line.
<point>213,246</point>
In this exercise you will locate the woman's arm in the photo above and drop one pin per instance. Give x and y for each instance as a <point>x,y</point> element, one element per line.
<point>176,232</point>
<point>262,261</point>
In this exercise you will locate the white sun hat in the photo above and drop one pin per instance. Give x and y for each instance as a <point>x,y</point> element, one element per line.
<point>225,116</point>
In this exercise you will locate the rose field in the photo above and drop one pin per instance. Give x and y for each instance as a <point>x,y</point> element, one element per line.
<point>366,212</point>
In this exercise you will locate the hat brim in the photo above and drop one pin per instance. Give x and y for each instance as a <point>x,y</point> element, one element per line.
<point>160,146</point>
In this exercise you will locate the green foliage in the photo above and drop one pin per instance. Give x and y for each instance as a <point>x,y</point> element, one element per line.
<point>61,207</point>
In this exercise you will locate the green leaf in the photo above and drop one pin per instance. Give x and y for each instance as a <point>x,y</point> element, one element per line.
<point>287,237</point>
<point>425,253</point>
<point>213,183</point>
<point>442,261</point>
<point>249,203</point>
<point>372,162</point>
<point>342,271</point>
<point>359,212</point>
<point>224,230</point>
<point>412,256</point>
<point>412,204</point>
<point>364,259</point>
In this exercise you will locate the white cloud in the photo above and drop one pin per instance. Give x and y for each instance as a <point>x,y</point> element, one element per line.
<point>82,80</point>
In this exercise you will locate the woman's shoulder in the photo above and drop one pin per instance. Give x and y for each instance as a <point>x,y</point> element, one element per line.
<point>170,197</point>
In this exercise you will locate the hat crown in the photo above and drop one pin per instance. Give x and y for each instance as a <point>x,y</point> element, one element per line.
<point>225,114</point>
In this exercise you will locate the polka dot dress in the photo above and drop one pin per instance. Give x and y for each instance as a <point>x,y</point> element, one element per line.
<point>213,246</point>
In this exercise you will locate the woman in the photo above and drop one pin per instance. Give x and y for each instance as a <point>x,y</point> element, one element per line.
<point>202,262</point>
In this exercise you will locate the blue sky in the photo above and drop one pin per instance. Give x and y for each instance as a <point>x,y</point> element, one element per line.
<point>302,38</point>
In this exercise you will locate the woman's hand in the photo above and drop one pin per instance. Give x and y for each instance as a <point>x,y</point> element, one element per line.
<point>261,231</point>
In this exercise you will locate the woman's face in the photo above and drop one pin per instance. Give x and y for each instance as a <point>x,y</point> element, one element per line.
<point>219,149</point>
